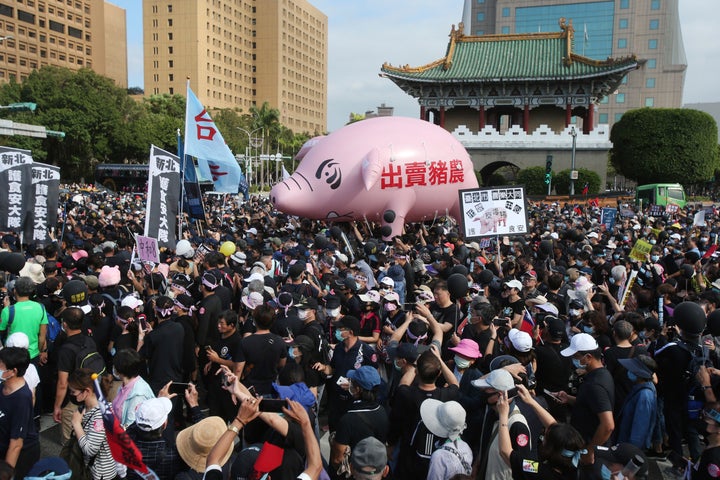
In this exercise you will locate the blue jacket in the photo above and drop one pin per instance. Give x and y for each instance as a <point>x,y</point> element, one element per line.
<point>638,416</point>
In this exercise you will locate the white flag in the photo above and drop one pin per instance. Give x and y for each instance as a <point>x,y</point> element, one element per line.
<point>699,220</point>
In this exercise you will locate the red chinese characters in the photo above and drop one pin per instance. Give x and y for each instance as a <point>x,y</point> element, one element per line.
<point>437,172</point>
<point>204,132</point>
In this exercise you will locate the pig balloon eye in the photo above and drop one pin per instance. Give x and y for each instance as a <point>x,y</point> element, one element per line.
<point>330,169</point>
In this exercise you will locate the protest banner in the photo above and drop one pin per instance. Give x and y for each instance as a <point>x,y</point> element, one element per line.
<point>640,250</point>
<point>42,199</point>
<point>147,249</point>
<point>163,197</point>
<point>15,176</point>
<point>493,211</point>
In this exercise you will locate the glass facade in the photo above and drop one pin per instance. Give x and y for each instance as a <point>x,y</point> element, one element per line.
<point>595,18</point>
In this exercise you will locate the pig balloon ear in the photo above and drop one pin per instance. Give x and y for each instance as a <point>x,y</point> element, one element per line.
<point>371,168</point>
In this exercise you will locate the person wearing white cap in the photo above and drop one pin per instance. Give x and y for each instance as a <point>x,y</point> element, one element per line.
<point>513,302</point>
<point>592,408</point>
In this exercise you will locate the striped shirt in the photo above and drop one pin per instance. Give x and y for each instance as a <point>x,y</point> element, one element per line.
<point>94,445</point>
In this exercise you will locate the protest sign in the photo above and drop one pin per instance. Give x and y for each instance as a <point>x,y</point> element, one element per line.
<point>493,211</point>
<point>640,250</point>
<point>147,249</point>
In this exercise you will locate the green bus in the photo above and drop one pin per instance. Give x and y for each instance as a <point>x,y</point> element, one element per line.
<point>663,194</point>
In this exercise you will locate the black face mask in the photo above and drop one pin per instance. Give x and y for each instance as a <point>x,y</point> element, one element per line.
<point>75,401</point>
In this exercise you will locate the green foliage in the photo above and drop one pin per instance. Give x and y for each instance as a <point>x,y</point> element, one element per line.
<point>103,123</point>
<point>355,117</point>
<point>534,180</point>
<point>653,145</point>
<point>561,182</point>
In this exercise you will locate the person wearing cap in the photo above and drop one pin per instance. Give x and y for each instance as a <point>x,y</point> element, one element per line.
<point>72,321</point>
<point>369,319</point>
<point>445,312</point>
<point>513,304</point>
<point>88,426</point>
<point>350,353</point>
<point>19,444</point>
<point>529,284</point>
<point>391,316</point>
<point>299,282</point>
<point>446,422</point>
<point>148,432</point>
<point>364,418</point>
<point>28,317</point>
<point>184,306</point>
<point>559,451</point>
<point>368,460</point>
<point>480,329</point>
<point>224,351</point>
<point>639,412</point>
<point>592,408</point>
<point>553,370</point>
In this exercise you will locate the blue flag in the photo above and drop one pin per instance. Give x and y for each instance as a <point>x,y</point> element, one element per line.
<point>204,141</point>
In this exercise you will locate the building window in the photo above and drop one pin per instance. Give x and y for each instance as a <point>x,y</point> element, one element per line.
<point>170,8</point>
<point>603,118</point>
<point>624,4</point>
<point>6,11</point>
<point>651,63</point>
<point>650,102</point>
<point>171,77</point>
<point>605,99</point>
<point>620,98</point>
<point>171,91</point>
<point>480,32</point>
<point>169,22</point>
<point>26,17</point>
<point>481,1</point>
<point>481,17</point>
<point>622,43</point>
<point>57,27</point>
<point>623,24</point>
<point>618,116</point>
<point>654,24</point>
<point>506,12</point>
<point>505,30</point>
<point>652,44</point>
<point>170,36</point>
<point>170,50</point>
<point>74,32</point>
<point>650,83</point>
<point>655,5</point>
<point>171,64</point>
<point>624,80</point>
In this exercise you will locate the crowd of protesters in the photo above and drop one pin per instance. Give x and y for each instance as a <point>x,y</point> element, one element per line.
<point>559,354</point>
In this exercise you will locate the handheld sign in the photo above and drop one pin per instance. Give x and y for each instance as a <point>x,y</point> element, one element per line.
<point>147,249</point>
<point>640,250</point>
<point>493,211</point>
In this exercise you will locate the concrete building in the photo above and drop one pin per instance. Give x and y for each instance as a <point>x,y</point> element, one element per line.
<point>241,54</point>
<point>649,29</point>
<point>74,34</point>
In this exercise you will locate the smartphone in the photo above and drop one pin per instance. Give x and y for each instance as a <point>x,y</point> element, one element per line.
<point>500,322</point>
<point>251,390</point>
<point>178,387</point>
<point>273,405</point>
<point>550,394</point>
<point>343,381</point>
<point>225,380</point>
<point>512,393</point>
<point>677,460</point>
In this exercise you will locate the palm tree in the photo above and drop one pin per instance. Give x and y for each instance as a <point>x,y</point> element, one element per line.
<point>268,119</point>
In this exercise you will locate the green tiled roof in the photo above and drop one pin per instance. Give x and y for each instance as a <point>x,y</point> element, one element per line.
<point>517,57</point>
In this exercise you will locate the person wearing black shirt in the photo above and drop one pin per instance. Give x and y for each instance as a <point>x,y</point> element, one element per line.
<point>208,312</point>
<point>592,408</point>
<point>184,311</point>
<point>365,418</point>
<point>553,370</point>
<point>224,351</point>
<point>162,347</point>
<point>262,354</point>
<point>445,313</point>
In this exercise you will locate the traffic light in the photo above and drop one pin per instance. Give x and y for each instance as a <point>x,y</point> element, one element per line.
<point>548,169</point>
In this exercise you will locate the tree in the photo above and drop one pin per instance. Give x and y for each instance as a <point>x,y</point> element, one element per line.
<point>561,180</point>
<point>652,145</point>
<point>268,119</point>
<point>534,180</point>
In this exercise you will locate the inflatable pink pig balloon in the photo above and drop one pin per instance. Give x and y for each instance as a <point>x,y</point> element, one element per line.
<point>390,169</point>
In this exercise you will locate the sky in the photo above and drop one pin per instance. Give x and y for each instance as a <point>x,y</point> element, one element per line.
<point>365,34</point>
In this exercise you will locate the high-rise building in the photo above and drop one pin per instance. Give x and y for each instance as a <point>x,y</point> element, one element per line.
<point>239,54</point>
<point>73,33</point>
<point>649,29</point>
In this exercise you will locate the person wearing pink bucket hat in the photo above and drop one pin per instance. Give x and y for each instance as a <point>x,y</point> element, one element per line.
<point>466,352</point>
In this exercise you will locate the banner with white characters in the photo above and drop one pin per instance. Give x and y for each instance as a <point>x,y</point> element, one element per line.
<point>42,196</point>
<point>163,197</point>
<point>493,211</point>
<point>15,167</point>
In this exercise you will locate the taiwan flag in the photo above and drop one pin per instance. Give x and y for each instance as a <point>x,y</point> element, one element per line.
<point>586,188</point>
<point>528,323</point>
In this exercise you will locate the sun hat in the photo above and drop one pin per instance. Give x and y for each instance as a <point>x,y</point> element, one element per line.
<point>637,367</point>
<point>444,419</point>
<point>392,297</point>
<point>131,301</point>
<point>252,300</point>
<point>152,413</point>
<point>371,296</point>
<point>18,339</point>
<point>498,379</point>
<point>467,348</point>
<point>582,342</point>
<point>195,442</point>
<point>514,284</point>
<point>547,307</point>
<point>52,468</point>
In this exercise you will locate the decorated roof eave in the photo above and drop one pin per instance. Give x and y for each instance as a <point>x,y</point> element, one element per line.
<point>414,80</point>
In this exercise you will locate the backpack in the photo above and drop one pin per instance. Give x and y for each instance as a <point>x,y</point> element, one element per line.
<point>87,356</point>
<point>423,443</point>
<point>321,340</point>
<point>53,326</point>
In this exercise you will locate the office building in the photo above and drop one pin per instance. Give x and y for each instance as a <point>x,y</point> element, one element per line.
<point>648,29</point>
<point>240,53</point>
<point>70,33</point>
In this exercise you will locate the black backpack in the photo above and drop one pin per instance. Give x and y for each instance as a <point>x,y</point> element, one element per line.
<point>423,443</point>
<point>87,356</point>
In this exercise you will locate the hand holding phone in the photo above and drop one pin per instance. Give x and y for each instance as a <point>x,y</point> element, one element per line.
<point>274,405</point>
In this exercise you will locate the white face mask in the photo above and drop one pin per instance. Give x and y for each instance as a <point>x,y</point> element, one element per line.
<point>303,314</point>
<point>333,313</point>
<point>462,363</point>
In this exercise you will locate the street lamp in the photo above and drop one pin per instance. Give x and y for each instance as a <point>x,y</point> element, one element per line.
<point>573,133</point>
<point>6,37</point>
<point>252,141</point>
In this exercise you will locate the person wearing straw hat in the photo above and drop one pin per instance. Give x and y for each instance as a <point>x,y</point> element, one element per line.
<point>194,445</point>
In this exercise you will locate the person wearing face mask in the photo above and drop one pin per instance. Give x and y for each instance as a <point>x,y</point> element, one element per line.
<point>19,444</point>
<point>709,463</point>
<point>302,351</point>
<point>369,319</point>
<point>223,351</point>
<point>592,408</point>
<point>637,417</point>
<point>365,417</point>
<point>622,332</point>
<point>349,353</point>
<point>128,367</point>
